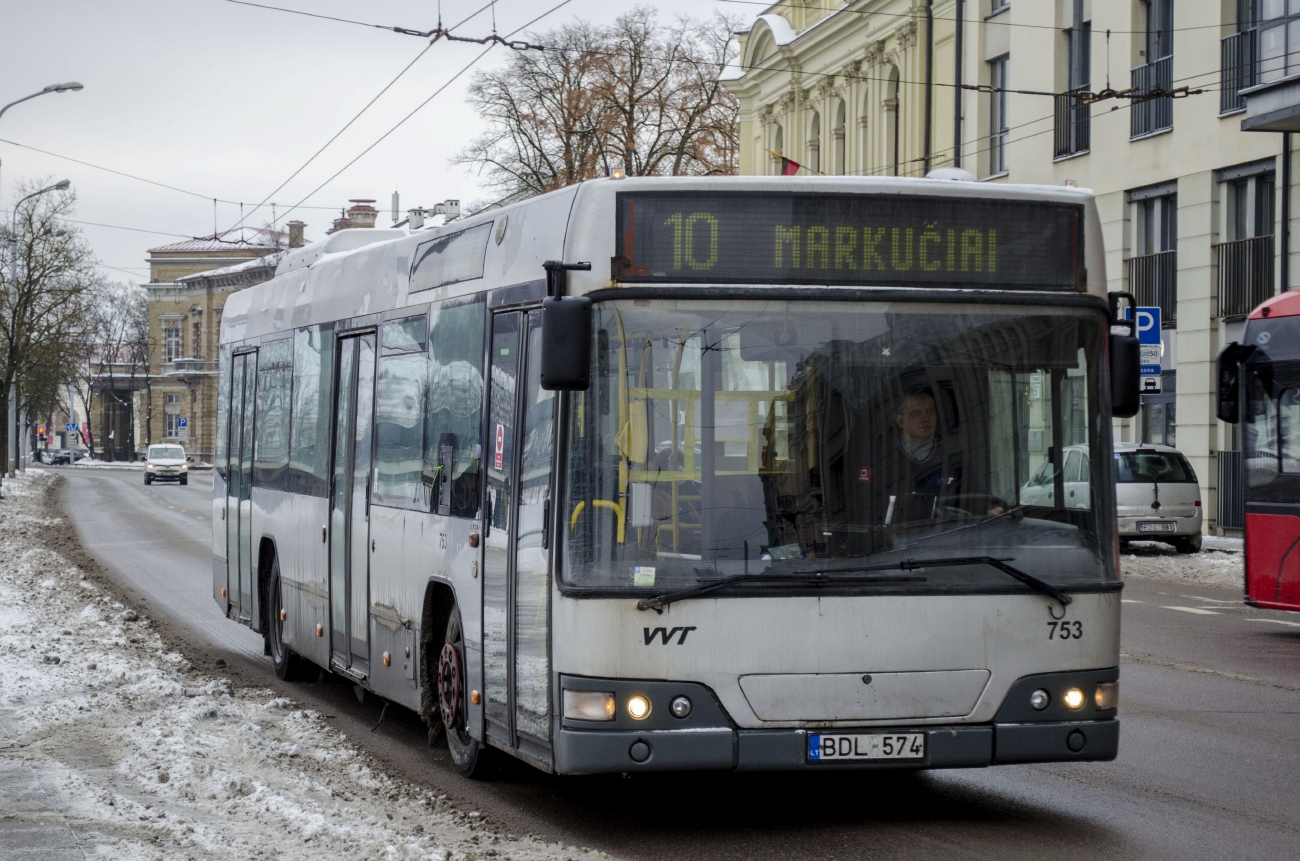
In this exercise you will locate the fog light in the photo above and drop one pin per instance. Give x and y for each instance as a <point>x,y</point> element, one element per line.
<point>588,705</point>
<point>638,707</point>
<point>1107,696</point>
<point>1039,699</point>
<point>680,707</point>
<point>1074,698</point>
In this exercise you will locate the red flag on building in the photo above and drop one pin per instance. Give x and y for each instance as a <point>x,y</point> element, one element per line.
<point>789,167</point>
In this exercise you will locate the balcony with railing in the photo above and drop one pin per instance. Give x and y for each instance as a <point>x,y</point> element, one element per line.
<point>1245,274</point>
<point>1073,126</point>
<point>1152,279</point>
<point>1152,114</point>
<point>1236,70</point>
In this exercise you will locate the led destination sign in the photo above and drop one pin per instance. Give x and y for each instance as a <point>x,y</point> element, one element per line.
<point>775,238</point>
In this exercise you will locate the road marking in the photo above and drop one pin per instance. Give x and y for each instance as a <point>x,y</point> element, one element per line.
<point>1195,610</point>
<point>1234,603</point>
<point>1277,622</point>
<point>1130,601</point>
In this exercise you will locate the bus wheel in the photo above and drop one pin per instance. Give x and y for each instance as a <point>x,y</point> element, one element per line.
<point>288,666</point>
<point>465,750</point>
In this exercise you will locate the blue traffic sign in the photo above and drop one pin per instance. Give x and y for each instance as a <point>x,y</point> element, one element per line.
<point>1148,325</point>
<point>70,427</point>
<point>182,422</point>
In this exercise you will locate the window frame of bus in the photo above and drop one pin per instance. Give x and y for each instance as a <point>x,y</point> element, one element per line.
<point>625,268</point>
<point>274,376</point>
<point>391,353</point>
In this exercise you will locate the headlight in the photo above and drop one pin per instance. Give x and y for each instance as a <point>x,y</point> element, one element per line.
<point>1074,698</point>
<point>185,467</point>
<point>150,466</point>
<point>588,705</point>
<point>638,707</point>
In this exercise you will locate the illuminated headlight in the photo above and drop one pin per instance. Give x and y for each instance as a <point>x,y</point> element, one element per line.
<point>638,707</point>
<point>1074,698</point>
<point>151,466</point>
<point>1107,695</point>
<point>185,467</point>
<point>1039,699</point>
<point>588,705</point>
<point>680,707</point>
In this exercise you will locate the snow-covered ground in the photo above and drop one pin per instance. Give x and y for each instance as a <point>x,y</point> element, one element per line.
<point>112,746</point>
<point>1218,564</point>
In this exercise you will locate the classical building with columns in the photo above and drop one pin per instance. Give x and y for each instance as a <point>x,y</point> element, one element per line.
<point>1177,114</point>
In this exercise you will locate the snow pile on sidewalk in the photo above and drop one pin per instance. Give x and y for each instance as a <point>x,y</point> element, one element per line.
<point>146,758</point>
<point>1220,563</point>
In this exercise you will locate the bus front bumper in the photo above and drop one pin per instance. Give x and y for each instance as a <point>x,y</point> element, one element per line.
<point>962,746</point>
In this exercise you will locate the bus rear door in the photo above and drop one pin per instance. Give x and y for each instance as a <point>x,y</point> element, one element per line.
<point>351,475</point>
<point>239,531</point>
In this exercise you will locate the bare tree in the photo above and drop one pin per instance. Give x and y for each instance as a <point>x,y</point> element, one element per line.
<point>44,294</point>
<point>635,95</point>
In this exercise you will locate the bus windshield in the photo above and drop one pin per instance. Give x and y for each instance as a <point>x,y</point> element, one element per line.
<point>723,438</point>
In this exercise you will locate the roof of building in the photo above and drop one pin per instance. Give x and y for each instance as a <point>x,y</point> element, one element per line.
<point>256,240</point>
<point>269,261</point>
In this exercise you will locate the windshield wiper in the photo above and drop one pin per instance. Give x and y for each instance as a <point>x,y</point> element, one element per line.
<point>658,602</point>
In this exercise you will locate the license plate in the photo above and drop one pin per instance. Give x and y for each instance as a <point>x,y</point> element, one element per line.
<point>824,747</point>
<point>1156,527</point>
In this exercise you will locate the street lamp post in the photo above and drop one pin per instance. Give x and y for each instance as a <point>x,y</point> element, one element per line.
<point>67,86</point>
<point>61,185</point>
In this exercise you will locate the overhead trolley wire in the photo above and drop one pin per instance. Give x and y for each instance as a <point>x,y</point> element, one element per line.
<point>418,107</point>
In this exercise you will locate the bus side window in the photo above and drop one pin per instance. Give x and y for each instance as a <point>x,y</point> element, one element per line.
<point>454,413</point>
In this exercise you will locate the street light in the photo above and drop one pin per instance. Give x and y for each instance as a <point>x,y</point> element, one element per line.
<point>61,185</point>
<point>52,88</point>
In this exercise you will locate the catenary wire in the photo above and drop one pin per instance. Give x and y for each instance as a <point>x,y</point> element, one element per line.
<point>418,107</point>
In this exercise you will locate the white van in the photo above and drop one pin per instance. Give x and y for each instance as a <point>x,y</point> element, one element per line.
<point>166,462</point>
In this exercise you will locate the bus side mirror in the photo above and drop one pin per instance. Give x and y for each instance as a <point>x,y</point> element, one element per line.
<point>1228,372</point>
<point>1125,368</point>
<point>566,344</point>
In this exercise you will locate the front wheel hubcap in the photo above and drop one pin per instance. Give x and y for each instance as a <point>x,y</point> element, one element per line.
<point>449,685</point>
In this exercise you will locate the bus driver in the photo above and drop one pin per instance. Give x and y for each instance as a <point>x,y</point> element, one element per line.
<point>925,470</point>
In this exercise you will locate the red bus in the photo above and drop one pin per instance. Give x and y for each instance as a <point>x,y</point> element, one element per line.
<point>1259,386</point>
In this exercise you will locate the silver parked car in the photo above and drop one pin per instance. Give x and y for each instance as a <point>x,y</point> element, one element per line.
<point>1156,492</point>
<point>1158,496</point>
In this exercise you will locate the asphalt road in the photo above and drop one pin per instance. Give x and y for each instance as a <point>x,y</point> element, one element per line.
<point>1209,763</point>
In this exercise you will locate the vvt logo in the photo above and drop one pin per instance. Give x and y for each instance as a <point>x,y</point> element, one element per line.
<point>665,635</point>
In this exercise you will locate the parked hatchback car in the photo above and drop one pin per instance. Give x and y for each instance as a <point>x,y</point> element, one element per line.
<point>1158,496</point>
<point>166,462</point>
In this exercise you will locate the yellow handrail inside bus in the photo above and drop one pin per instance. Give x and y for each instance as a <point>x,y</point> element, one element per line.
<point>601,503</point>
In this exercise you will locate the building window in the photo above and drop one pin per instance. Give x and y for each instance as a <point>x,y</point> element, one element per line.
<point>171,341</point>
<point>1245,260</point>
<point>196,340</point>
<point>997,6</point>
<point>998,125</point>
<point>172,408</point>
<point>1073,115</point>
<point>1237,66</point>
<point>1159,413</point>
<point>1152,270</point>
<point>1279,39</point>
<point>1156,75</point>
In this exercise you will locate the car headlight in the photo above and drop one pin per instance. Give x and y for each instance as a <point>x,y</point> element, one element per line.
<point>150,466</point>
<point>185,467</point>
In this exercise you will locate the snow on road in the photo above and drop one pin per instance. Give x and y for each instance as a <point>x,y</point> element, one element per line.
<point>140,756</point>
<point>1218,564</point>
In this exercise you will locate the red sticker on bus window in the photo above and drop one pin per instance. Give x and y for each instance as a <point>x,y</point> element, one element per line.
<point>501,446</point>
<point>864,475</point>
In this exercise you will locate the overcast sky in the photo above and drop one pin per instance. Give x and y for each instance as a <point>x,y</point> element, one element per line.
<point>226,101</point>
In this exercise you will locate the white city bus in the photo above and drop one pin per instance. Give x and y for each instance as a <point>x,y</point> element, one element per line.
<point>608,479</point>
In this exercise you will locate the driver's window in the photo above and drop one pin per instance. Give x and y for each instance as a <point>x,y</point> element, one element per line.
<point>1072,461</point>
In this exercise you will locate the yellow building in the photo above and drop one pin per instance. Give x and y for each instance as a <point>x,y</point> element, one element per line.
<point>1193,192</point>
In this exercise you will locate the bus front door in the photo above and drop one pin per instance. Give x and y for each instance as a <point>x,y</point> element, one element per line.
<point>516,581</point>
<point>239,505</point>
<point>350,487</point>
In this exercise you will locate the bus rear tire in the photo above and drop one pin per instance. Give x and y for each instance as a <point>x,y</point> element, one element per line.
<point>288,666</point>
<point>449,681</point>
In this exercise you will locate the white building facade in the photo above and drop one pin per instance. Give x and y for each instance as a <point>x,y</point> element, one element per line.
<point>1196,210</point>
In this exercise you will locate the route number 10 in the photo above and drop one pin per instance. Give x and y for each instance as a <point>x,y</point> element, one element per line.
<point>684,230</point>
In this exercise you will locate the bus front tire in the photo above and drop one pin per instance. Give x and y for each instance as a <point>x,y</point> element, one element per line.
<point>288,666</point>
<point>449,680</point>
